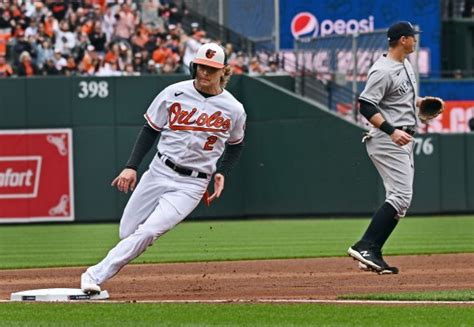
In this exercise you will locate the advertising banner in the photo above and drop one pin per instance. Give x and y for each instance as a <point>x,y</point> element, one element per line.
<point>454,119</point>
<point>308,19</point>
<point>36,175</point>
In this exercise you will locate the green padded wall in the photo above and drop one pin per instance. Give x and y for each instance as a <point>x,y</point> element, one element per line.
<point>298,159</point>
<point>13,103</point>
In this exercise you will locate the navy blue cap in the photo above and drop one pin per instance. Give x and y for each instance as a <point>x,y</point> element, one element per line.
<point>400,29</point>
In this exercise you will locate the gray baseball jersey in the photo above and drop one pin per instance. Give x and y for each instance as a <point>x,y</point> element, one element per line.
<point>391,86</point>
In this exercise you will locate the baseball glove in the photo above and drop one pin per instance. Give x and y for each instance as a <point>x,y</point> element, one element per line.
<point>430,107</point>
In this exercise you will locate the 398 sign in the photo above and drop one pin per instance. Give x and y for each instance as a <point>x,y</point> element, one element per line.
<point>93,89</point>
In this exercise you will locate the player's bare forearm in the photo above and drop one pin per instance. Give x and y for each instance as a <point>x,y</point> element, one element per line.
<point>398,136</point>
<point>377,120</point>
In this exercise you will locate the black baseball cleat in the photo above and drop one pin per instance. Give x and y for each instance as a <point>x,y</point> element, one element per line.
<point>389,270</point>
<point>371,258</point>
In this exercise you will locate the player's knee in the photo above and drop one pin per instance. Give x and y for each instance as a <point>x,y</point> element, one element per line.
<point>147,236</point>
<point>404,200</point>
<point>124,232</point>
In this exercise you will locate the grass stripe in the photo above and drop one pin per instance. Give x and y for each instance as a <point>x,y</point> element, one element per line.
<point>463,295</point>
<point>26,314</point>
<point>85,244</point>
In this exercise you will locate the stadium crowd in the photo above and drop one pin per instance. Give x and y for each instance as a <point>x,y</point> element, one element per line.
<point>104,38</point>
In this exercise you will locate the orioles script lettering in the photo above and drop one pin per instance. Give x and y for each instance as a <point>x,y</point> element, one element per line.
<point>181,119</point>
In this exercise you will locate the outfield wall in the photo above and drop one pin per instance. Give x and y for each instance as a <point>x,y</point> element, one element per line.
<point>298,159</point>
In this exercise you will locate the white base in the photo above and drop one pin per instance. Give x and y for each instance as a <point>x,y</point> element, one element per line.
<point>57,295</point>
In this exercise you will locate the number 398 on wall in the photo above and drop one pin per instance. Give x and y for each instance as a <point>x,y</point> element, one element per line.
<point>92,89</point>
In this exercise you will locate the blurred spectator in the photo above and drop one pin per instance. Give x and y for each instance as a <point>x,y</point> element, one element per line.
<point>26,66</point>
<point>229,51</point>
<point>174,13</point>
<point>71,67</point>
<point>21,46</point>
<point>32,29</point>
<point>59,61</point>
<point>471,124</point>
<point>65,39</point>
<point>162,53</point>
<point>457,74</point>
<point>150,14</point>
<point>169,66</point>
<point>238,65</point>
<point>109,69</point>
<point>151,68</point>
<point>5,69</point>
<point>274,69</point>
<point>125,56</point>
<point>37,11</point>
<point>138,63</point>
<point>81,44</point>
<point>194,27</point>
<point>90,61</point>
<point>113,53</point>
<point>130,70</point>
<point>140,38</point>
<point>108,24</point>
<point>124,28</point>
<point>97,38</point>
<point>192,46</point>
<point>49,68</point>
<point>255,68</point>
<point>44,53</point>
<point>51,24</point>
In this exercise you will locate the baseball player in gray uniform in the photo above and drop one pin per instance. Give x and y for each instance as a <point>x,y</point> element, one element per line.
<point>199,121</point>
<point>389,102</point>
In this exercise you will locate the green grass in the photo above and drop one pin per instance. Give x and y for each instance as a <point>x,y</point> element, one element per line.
<point>84,244</point>
<point>467,295</point>
<point>25,314</point>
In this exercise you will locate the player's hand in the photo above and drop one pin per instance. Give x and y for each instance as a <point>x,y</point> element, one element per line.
<point>126,180</point>
<point>218,187</point>
<point>401,137</point>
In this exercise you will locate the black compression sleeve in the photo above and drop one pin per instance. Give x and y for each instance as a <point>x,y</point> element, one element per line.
<point>145,140</point>
<point>230,158</point>
<point>367,109</point>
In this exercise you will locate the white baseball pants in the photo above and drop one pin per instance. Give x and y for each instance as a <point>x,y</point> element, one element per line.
<point>161,200</point>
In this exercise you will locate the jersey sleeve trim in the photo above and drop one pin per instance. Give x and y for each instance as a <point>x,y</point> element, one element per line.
<point>151,123</point>
<point>236,142</point>
<point>369,101</point>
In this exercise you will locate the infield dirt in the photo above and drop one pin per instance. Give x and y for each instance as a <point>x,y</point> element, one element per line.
<point>321,278</point>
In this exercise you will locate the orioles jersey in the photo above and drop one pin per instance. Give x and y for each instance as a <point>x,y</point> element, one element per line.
<point>195,129</point>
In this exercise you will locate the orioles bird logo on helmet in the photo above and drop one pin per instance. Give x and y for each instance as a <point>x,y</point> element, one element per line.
<point>210,53</point>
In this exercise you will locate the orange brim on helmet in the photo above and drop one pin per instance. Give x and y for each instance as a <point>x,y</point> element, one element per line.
<point>210,63</point>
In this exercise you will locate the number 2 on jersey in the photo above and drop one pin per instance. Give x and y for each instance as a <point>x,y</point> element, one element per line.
<point>209,146</point>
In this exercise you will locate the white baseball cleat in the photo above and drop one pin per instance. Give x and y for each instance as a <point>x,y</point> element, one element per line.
<point>88,285</point>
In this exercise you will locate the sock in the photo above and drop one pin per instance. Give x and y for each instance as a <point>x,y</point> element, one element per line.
<point>382,225</point>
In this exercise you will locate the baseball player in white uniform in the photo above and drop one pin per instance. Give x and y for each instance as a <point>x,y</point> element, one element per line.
<point>198,121</point>
<point>389,102</point>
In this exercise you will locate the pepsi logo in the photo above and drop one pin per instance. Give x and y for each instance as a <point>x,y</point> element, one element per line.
<point>304,26</point>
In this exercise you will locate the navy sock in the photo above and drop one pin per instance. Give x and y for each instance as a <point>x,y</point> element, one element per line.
<point>382,225</point>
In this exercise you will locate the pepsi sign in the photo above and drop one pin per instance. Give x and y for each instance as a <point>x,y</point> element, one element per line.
<point>305,26</point>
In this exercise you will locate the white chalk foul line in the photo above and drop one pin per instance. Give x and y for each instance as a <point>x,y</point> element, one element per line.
<point>230,301</point>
